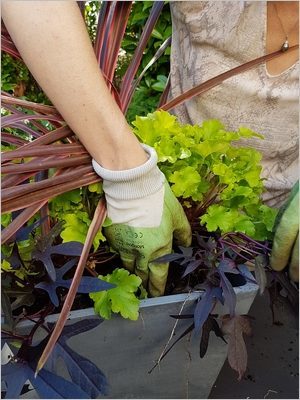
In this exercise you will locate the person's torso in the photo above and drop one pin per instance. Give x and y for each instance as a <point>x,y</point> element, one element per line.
<point>212,37</point>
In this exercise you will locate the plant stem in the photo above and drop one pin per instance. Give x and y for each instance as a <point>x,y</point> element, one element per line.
<point>13,335</point>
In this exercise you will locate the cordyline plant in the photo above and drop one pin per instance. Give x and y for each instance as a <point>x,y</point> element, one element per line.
<point>44,160</point>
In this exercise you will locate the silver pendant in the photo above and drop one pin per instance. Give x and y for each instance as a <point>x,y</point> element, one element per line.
<point>285,46</point>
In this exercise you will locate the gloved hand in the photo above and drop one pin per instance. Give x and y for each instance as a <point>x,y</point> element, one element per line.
<point>145,214</point>
<point>285,249</point>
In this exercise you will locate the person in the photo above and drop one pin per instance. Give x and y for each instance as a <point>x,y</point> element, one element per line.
<point>53,41</point>
<point>211,37</point>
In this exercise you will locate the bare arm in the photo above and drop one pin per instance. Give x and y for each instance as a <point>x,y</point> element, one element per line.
<point>52,39</point>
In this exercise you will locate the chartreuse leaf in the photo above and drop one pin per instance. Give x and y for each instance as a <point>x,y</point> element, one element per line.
<point>268,215</point>
<point>203,166</point>
<point>96,188</point>
<point>188,183</point>
<point>120,299</point>
<point>67,201</point>
<point>76,227</point>
<point>216,218</point>
<point>226,219</point>
<point>247,133</point>
<point>5,219</point>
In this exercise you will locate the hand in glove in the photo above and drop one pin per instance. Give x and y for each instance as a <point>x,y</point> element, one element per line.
<point>285,250</point>
<point>145,215</point>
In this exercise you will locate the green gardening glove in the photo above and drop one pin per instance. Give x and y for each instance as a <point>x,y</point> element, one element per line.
<point>145,216</point>
<point>285,249</point>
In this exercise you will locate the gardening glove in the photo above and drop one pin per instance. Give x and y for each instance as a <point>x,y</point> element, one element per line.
<point>145,215</point>
<point>285,250</point>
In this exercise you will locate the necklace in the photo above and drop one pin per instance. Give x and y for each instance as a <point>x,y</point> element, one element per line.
<point>285,46</point>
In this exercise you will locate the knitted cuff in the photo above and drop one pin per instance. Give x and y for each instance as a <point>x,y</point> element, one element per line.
<point>133,183</point>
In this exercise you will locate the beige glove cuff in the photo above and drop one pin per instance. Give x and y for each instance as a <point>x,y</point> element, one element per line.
<point>135,183</point>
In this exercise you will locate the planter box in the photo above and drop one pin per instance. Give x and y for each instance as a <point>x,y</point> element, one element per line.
<point>126,350</point>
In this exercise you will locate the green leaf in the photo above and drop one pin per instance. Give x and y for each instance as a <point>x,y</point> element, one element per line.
<point>202,165</point>
<point>247,133</point>
<point>210,127</point>
<point>268,216</point>
<point>157,34</point>
<point>185,182</point>
<point>208,147</point>
<point>76,228</point>
<point>5,219</point>
<point>120,299</point>
<point>96,188</point>
<point>217,217</point>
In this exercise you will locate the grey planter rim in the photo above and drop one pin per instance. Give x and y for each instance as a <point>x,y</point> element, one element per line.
<point>151,302</point>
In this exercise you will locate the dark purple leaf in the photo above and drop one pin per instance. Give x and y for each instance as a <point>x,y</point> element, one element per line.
<point>14,258</point>
<point>218,294</point>
<point>187,256</point>
<point>97,221</point>
<point>168,258</point>
<point>87,285</point>
<point>51,386</point>
<point>88,380</point>
<point>44,255</point>
<point>50,288</point>
<point>24,232</point>
<point>209,325</point>
<point>217,330</point>
<point>79,327</point>
<point>46,241</point>
<point>228,265</point>
<point>244,271</point>
<point>48,263</point>
<point>209,245</point>
<point>186,251</point>
<point>191,267</point>
<point>182,316</point>
<point>228,293</point>
<point>68,249</point>
<point>14,375</point>
<point>203,309</point>
<point>82,371</point>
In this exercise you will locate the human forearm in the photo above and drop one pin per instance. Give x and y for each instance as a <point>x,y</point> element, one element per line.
<point>53,41</point>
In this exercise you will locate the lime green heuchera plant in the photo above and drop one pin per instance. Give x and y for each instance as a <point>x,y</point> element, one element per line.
<point>218,184</point>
